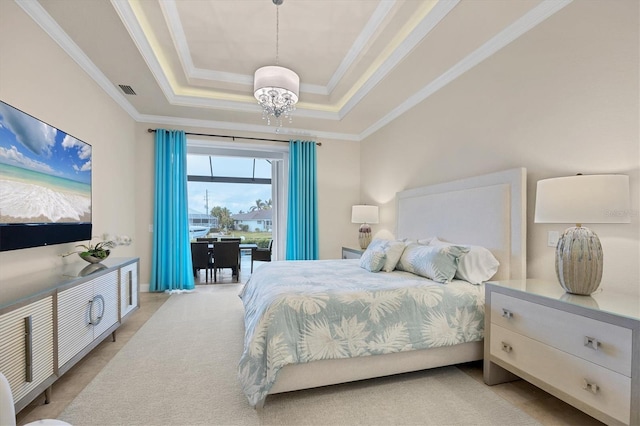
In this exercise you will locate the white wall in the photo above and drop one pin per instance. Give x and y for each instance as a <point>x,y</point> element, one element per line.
<point>560,100</point>
<point>38,77</point>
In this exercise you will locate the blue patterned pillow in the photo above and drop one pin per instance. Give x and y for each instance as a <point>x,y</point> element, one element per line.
<point>373,260</point>
<point>392,249</point>
<point>436,263</point>
<point>477,266</point>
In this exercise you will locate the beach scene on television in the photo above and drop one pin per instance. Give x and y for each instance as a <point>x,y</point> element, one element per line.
<point>45,174</point>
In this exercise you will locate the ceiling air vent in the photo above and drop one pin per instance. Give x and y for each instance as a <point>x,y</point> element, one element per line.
<point>128,90</point>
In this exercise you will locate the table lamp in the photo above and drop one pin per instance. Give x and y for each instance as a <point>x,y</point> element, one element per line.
<point>581,199</point>
<point>364,215</point>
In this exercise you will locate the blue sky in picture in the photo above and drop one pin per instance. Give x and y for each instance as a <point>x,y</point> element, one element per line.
<point>31,144</point>
<point>233,196</point>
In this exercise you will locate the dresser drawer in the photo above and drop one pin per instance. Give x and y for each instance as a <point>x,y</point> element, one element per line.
<point>602,343</point>
<point>565,372</point>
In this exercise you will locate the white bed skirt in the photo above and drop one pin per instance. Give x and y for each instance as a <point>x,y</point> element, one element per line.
<point>333,371</point>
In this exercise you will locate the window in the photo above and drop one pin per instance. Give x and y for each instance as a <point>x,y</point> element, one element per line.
<point>237,192</point>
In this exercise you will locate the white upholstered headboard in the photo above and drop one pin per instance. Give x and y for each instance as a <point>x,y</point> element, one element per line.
<point>488,210</point>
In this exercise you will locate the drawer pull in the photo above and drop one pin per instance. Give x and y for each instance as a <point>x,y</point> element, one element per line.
<point>591,343</point>
<point>506,347</point>
<point>91,305</point>
<point>507,313</point>
<point>591,387</point>
<point>28,349</point>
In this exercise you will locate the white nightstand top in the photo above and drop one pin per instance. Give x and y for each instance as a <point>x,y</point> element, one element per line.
<point>602,300</point>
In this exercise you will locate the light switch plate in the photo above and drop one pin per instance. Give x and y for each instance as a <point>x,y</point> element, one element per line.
<point>552,238</point>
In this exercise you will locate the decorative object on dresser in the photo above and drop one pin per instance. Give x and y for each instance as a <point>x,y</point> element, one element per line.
<point>364,215</point>
<point>96,253</point>
<point>50,320</point>
<point>584,350</point>
<point>581,199</point>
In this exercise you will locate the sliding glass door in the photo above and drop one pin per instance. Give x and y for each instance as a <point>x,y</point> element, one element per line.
<point>237,192</point>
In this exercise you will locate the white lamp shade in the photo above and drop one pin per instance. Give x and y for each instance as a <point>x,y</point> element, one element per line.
<point>275,77</point>
<point>364,214</point>
<point>583,199</point>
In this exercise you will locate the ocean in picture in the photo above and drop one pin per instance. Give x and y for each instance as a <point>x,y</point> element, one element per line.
<point>28,196</point>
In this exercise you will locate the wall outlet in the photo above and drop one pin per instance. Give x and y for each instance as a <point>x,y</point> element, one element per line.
<point>552,238</point>
<point>151,228</point>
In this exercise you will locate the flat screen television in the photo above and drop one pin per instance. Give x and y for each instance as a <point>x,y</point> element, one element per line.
<point>45,183</point>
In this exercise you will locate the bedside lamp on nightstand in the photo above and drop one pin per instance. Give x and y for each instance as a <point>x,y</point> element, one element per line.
<point>581,199</point>
<point>364,215</point>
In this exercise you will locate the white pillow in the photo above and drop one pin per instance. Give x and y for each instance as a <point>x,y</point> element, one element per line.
<point>477,266</point>
<point>373,259</point>
<point>436,263</point>
<point>425,241</point>
<point>392,249</point>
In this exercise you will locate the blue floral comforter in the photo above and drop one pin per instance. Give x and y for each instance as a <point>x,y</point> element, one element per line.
<point>302,311</point>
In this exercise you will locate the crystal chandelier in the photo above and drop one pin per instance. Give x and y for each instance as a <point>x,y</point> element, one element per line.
<point>276,88</point>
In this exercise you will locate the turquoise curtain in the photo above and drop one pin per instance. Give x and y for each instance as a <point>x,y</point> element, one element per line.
<point>171,267</point>
<point>302,217</point>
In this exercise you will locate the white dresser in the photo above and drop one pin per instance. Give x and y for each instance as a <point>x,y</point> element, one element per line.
<point>50,320</point>
<point>351,253</point>
<point>584,350</point>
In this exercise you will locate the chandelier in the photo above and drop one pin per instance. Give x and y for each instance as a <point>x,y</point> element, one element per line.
<point>276,88</point>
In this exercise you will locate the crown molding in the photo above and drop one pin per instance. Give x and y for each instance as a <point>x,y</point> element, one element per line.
<point>170,12</point>
<point>525,23</point>
<point>435,15</point>
<point>57,34</point>
<point>243,127</point>
<point>528,21</point>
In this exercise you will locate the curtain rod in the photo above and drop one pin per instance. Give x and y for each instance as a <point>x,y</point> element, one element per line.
<point>233,137</point>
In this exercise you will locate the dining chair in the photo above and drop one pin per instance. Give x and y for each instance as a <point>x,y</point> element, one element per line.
<point>200,258</point>
<point>226,255</point>
<point>238,239</point>
<point>262,254</point>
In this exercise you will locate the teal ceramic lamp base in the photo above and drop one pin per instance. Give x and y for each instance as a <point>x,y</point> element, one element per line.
<point>364,236</point>
<point>579,261</point>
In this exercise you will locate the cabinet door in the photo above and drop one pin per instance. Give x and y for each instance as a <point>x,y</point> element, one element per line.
<point>104,312</point>
<point>74,328</point>
<point>128,289</point>
<point>26,347</point>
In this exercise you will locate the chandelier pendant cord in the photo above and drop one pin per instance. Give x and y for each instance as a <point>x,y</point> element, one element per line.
<point>277,34</point>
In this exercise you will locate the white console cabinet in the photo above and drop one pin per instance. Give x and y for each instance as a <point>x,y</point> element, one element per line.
<point>50,320</point>
<point>26,347</point>
<point>584,350</point>
<point>85,312</point>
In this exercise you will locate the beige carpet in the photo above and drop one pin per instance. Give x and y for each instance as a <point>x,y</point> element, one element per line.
<point>180,369</point>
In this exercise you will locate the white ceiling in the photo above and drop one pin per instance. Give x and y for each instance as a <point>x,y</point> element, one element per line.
<point>361,63</point>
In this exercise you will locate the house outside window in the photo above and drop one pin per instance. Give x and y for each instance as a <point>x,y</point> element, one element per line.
<point>230,196</point>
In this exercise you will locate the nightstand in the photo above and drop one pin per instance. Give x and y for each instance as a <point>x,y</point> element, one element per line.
<point>351,253</point>
<point>585,350</point>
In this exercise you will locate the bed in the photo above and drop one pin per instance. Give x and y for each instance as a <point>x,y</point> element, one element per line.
<point>356,324</point>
